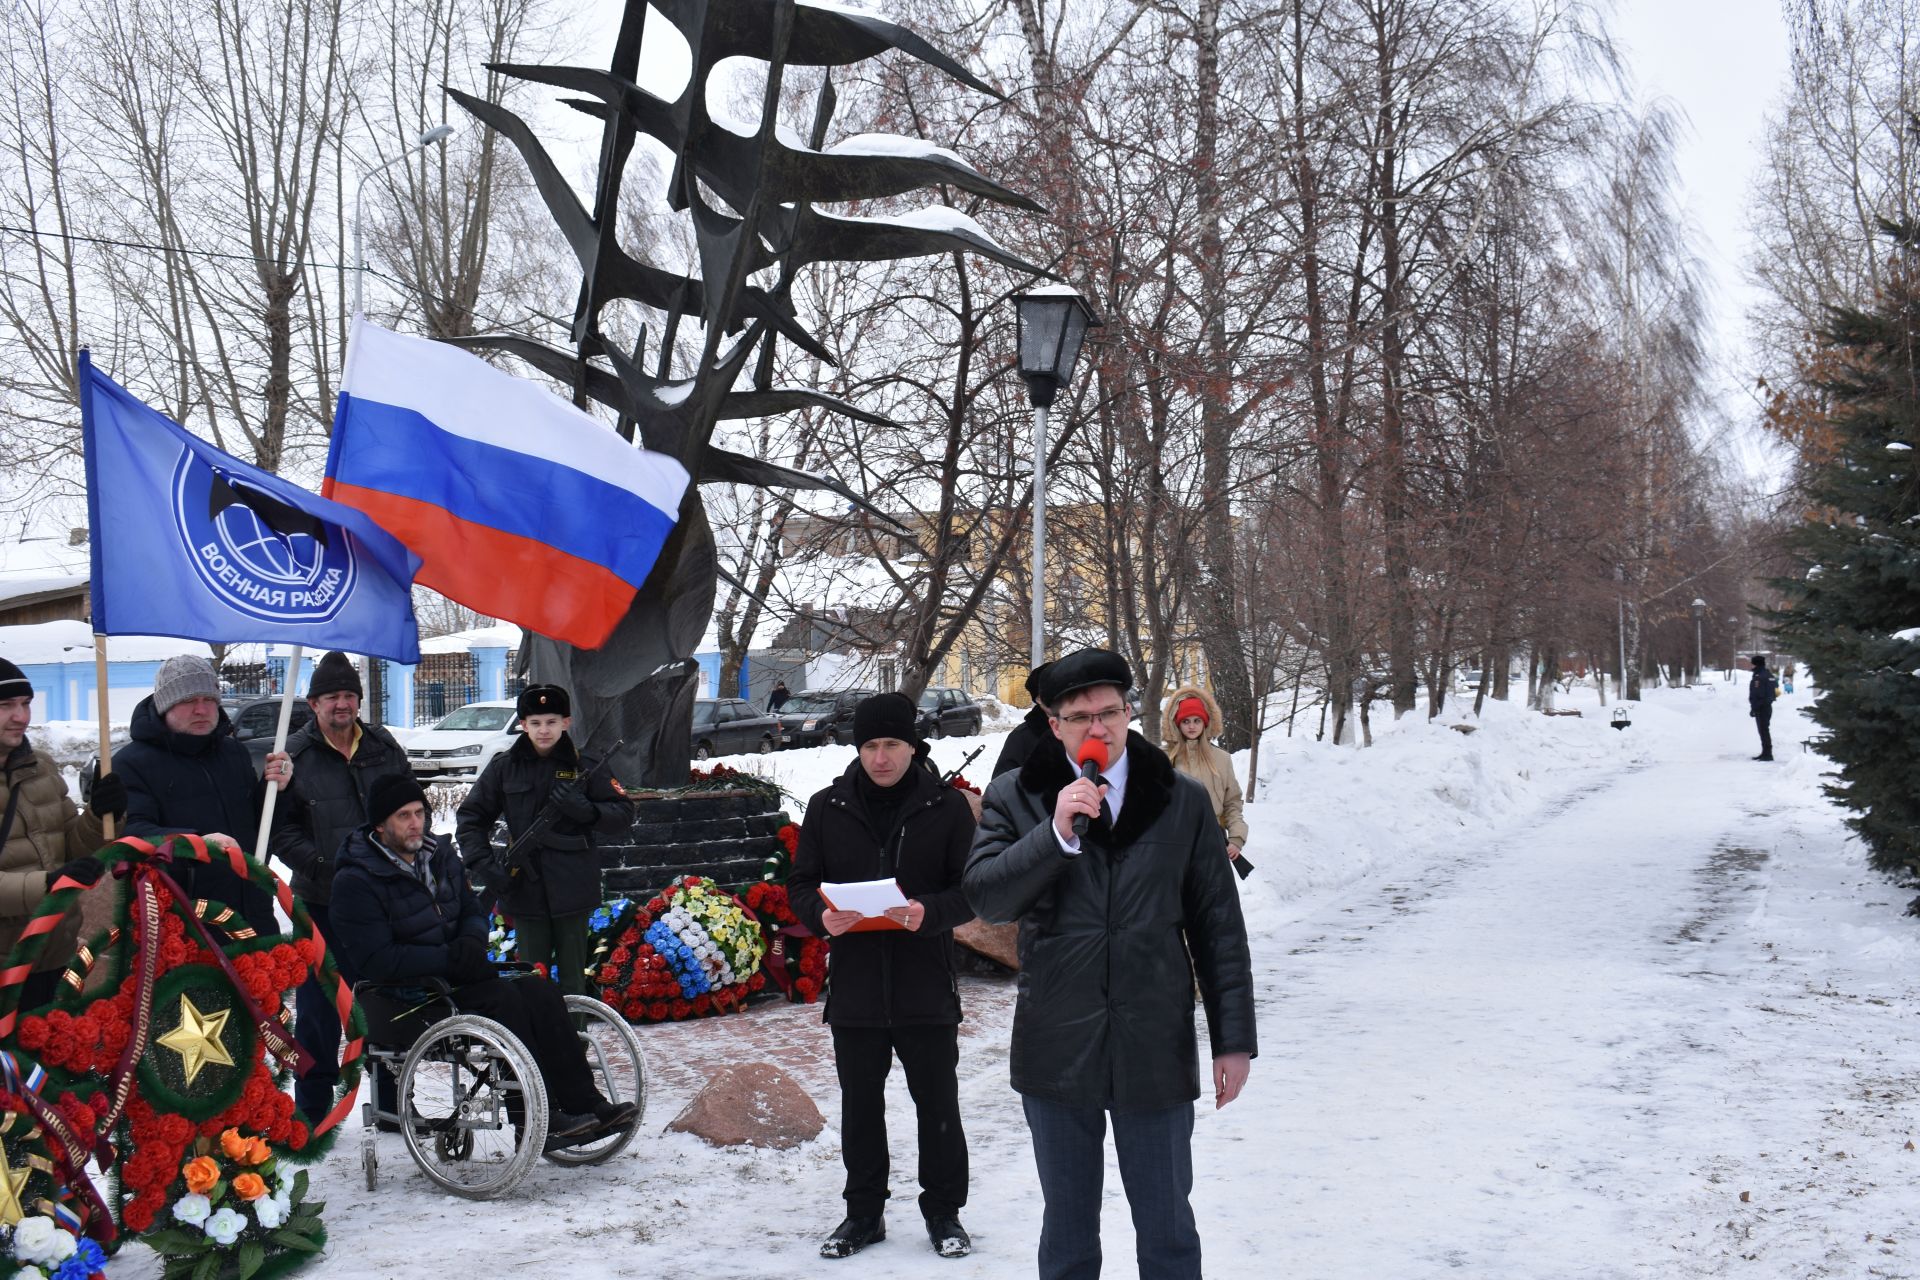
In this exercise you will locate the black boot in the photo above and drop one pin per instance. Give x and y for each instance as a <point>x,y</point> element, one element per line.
<point>853,1235</point>
<point>950,1239</point>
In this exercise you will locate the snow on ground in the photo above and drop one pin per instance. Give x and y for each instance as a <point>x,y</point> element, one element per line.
<point>1544,1001</point>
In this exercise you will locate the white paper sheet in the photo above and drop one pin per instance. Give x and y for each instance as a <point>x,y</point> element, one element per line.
<point>868,897</point>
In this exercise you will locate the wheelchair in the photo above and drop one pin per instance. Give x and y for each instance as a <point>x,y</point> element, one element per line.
<point>468,1098</point>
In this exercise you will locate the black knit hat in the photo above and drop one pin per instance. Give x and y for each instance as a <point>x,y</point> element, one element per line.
<point>334,673</point>
<point>390,793</point>
<point>1759,659</point>
<point>1083,670</point>
<point>1036,680</point>
<point>14,682</point>
<point>885,715</point>
<point>543,700</point>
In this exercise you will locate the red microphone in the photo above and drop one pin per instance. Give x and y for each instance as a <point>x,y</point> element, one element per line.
<point>1092,759</point>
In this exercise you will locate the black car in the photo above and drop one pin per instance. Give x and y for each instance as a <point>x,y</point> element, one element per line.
<point>731,727</point>
<point>949,713</point>
<point>255,719</point>
<point>817,717</point>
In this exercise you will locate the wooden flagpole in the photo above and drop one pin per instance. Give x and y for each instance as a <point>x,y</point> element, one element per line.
<point>106,728</point>
<point>279,744</point>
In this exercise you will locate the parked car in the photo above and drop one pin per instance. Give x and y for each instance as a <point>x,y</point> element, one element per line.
<point>255,719</point>
<point>825,716</point>
<point>948,713</point>
<point>462,742</point>
<point>731,727</point>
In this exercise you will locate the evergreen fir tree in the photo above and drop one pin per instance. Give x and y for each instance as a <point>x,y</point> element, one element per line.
<point>1853,614</point>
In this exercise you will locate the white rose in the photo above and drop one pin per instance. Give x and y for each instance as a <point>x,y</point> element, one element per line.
<point>34,1240</point>
<point>225,1226</point>
<point>192,1209</point>
<point>273,1211</point>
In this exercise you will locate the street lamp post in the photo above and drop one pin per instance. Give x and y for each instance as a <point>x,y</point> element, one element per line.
<point>1053,324</point>
<point>439,133</point>
<point>1699,658</point>
<point>377,712</point>
<point>1620,606</point>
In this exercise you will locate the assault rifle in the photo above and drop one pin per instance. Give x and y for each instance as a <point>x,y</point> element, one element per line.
<point>518,858</point>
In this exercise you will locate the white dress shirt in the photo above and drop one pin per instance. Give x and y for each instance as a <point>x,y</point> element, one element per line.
<point>1116,776</point>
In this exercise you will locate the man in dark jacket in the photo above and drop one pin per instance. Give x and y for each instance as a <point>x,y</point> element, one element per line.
<point>1031,732</point>
<point>891,988</point>
<point>1762,689</point>
<point>186,772</point>
<point>339,758</point>
<point>403,912</point>
<point>1108,920</point>
<point>553,887</point>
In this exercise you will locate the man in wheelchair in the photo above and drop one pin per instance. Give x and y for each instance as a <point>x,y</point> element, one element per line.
<point>403,912</point>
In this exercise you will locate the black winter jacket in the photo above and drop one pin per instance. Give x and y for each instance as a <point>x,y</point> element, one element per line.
<point>327,801</point>
<point>1761,691</point>
<point>1032,731</point>
<point>1105,1010</point>
<point>386,926</point>
<point>888,977</point>
<point>564,877</point>
<point>199,783</point>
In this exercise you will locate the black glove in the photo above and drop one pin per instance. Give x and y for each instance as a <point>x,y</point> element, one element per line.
<point>86,870</point>
<point>467,960</point>
<point>572,804</point>
<point>108,797</point>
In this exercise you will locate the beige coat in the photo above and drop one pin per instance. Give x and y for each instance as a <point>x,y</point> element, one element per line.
<point>1207,764</point>
<point>48,832</point>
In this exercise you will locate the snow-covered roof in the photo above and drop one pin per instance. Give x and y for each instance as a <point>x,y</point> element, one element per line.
<point>71,640</point>
<point>20,588</point>
<point>501,635</point>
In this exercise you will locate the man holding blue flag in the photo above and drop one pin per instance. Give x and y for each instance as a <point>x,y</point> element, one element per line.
<point>229,552</point>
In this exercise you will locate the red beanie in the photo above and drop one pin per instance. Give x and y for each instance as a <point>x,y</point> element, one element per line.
<point>1190,707</point>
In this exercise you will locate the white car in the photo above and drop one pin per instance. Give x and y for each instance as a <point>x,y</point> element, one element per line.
<point>461,743</point>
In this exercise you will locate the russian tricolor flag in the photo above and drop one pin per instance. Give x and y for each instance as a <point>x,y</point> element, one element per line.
<point>518,504</point>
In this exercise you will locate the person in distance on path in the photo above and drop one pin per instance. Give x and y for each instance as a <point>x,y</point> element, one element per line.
<point>1104,1024</point>
<point>891,990</point>
<point>1762,689</point>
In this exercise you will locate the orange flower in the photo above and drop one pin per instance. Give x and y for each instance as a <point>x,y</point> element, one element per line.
<point>258,1152</point>
<point>249,1186</point>
<point>202,1172</point>
<point>232,1144</point>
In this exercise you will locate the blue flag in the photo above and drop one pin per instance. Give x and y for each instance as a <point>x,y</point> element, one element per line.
<point>188,541</point>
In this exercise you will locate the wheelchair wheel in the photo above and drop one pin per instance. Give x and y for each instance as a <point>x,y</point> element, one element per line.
<point>619,1072</point>
<point>473,1109</point>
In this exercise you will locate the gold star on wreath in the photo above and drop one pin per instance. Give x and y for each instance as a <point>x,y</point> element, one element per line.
<point>197,1039</point>
<point>12,1182</point>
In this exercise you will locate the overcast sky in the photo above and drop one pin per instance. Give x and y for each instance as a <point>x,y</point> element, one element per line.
<point>1724,62</point>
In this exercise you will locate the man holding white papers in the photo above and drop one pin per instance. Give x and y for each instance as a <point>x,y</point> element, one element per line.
<point>890,982</point>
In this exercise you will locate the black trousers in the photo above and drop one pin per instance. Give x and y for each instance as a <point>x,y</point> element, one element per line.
<point>930,1056</point>
<point>532,1008</point>
<point>1763,721</point>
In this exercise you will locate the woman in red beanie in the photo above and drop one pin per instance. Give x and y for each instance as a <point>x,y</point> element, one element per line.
<point>1191,716</point>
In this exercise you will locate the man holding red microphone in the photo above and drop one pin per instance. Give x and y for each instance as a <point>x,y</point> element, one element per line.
<point>1117,872</point>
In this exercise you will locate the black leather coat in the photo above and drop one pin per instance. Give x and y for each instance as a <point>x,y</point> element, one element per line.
<point>892,977</point>
<point>1105,1010</point>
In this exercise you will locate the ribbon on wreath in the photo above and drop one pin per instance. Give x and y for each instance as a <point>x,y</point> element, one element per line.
<point>70,1151</point>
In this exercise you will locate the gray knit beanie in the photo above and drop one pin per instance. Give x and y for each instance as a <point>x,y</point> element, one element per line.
<point>181,678</point>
